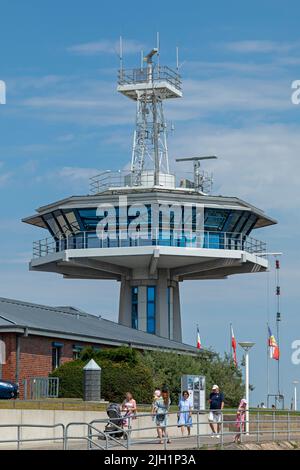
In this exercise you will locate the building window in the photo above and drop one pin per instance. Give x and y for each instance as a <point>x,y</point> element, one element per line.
<point>76,351</point>
<point>151,309</point>
<point>134,307</point>
<point>56,355</point>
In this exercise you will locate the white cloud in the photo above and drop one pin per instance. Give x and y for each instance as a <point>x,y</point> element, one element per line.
<point>5,176</point>
<point>105,46</point>
<point>206,97</point>
<point>259,46</point>
<point>260,163</point>
<point>76,173</point>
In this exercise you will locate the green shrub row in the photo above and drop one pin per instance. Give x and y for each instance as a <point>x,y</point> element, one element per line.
<point>125,369</point>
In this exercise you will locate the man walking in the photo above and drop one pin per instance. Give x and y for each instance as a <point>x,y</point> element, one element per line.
<point>216,404</point>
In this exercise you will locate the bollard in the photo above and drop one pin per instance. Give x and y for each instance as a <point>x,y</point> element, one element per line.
<point>92,381</point>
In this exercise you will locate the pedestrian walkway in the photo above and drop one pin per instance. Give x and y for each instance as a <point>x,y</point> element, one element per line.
<point>185,443</point>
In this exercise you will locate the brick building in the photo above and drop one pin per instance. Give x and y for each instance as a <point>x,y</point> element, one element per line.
<point>35,339</point>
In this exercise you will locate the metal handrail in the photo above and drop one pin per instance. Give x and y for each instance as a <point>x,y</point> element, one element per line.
<point>141,75</point>
<point>157,237</point>
<point>88,438</point>
<point>19,439</point>
<point>126,179</point>
<point>258,419</point>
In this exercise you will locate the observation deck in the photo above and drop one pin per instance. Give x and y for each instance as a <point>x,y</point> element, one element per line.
<point>160,78</point>
<point>202,239</point>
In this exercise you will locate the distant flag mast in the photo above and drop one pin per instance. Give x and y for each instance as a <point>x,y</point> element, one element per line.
<point>273,346</point>
<point>199,345</point>
<point>233,345</point>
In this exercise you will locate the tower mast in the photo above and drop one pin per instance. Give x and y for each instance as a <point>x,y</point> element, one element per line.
<point>149,86</point>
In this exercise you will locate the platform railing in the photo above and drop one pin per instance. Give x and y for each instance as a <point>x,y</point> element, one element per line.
<point>126,179</point>
<point>141,75</point>
<point>122,239</point>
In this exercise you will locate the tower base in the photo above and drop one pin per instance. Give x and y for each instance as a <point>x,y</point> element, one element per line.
<point>152,305</point>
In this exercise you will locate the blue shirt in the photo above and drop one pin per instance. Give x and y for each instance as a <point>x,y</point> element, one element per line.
<point>216,400</point>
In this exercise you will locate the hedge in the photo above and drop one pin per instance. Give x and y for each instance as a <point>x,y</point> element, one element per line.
<point>125,369</point>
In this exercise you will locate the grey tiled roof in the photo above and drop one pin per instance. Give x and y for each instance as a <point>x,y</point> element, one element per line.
<point>68,321</point>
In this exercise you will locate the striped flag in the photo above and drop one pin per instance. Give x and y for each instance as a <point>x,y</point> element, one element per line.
<point>233,345</point>
<point>273,346</point>
<point>198,339</point>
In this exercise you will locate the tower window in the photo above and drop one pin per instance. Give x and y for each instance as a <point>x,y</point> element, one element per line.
<point>134,307</point>
<point>151,309</point>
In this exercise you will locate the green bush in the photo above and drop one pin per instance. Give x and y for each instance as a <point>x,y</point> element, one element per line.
<point>126,373</point>
<point>127,370</point>
<point>70,379</point>
<point>167,369</point>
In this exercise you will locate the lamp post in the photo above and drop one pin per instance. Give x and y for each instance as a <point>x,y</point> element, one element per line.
<point>247,345</point>
<point>295,382</point>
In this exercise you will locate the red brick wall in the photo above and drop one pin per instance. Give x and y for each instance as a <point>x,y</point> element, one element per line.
<point>35,356</point>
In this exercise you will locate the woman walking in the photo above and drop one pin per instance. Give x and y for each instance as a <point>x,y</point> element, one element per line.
<point>240,420</point>
<point>185,413</point>
<point>129,406</point>
<point>161,408</point>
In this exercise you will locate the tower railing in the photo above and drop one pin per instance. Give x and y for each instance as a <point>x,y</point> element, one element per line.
<point>122,239</point>
<point>141,75</point>
<point>127,179</point>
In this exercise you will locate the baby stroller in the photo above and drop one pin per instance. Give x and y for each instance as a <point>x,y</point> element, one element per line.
<point>116,422</point>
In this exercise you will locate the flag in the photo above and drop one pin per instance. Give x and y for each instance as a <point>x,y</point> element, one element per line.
<point>198,339</point>
<point>274,349</point>
<point>233,345</point>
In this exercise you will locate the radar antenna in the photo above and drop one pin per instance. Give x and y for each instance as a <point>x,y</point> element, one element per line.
<point>201,180</point>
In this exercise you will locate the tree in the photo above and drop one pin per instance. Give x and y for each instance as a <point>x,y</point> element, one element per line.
<point>124,369</point>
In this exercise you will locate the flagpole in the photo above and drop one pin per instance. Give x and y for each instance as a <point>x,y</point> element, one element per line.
<point>268,369</point>
<point>278,318</point>
<point>278,362</point>
<point>230,341</point>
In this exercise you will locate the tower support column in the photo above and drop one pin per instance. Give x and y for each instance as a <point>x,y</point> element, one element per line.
<point>151,305</point>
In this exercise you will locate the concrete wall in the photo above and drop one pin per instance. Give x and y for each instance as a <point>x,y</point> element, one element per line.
<point>50,417</point>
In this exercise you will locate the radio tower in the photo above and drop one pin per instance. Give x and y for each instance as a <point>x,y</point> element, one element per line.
<point>149,86</point>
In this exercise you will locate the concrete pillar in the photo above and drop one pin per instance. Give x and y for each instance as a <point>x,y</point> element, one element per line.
<point>167,321</point>
<point>125,303</point>
<point>162,317</point>
<point>177,332</point>
<point>92,381</point>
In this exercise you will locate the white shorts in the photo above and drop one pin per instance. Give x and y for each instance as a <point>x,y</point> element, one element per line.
<point>215,416</point>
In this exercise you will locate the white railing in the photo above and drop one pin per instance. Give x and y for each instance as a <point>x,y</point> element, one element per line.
<point>122,239</point>
<point>141,75</point>
<point>127,179</point>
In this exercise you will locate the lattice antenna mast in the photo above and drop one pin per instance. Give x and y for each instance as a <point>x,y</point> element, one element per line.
<point>149,85</point>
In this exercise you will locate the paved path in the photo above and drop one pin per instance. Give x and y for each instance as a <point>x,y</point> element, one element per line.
<point>176,444</point>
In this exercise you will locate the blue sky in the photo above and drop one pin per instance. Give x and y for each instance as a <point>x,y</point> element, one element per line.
<point>64,120</point>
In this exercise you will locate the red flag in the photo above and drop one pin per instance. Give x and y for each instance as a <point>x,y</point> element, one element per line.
<point>233,345</point>
<point>198,339</point>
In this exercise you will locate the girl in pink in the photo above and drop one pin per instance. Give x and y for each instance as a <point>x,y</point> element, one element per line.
<point>240,420</point>
<point>129,406</point>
